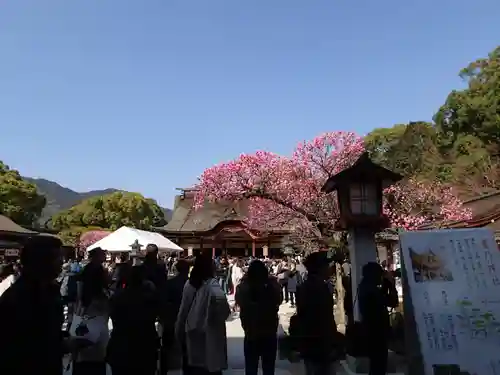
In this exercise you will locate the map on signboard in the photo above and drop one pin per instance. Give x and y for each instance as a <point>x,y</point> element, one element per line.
<point>427,266</point>
<point>454,282</point>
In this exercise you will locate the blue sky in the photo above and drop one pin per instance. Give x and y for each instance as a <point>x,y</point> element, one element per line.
<point>144,95</point>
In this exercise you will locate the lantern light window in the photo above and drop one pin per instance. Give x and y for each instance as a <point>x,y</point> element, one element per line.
<point>363,199</point>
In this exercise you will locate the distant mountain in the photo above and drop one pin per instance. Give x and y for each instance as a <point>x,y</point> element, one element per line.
<point>60,198</point>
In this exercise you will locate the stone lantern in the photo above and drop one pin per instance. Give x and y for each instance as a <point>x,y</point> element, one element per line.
<point>359,193</point>
<point>135,251</point>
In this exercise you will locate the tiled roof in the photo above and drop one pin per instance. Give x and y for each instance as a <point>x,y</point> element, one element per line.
<point>186,219</point>
<point>485,212</point>
<point>8,226</point>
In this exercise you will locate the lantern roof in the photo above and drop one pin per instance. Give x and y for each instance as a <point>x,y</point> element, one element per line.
<point>363,170</point>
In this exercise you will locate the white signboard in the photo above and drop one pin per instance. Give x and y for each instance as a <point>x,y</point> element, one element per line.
<point>454,281</point>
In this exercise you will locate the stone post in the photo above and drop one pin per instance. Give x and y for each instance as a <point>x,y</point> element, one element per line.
<point>362,250</point>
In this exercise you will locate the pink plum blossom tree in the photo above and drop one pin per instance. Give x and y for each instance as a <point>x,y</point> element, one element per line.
<point>285,192</point>
<point>91,237</point>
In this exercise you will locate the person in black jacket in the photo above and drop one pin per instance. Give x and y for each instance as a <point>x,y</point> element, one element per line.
<point>154,270</point>
<point>122,270</point>
<point>315,323</point>
<point>259,297</point>
<point>170,304</point>
<point>133,345</point>
<point>376,293</point>
<point>222,272</point>
<point>31,313</point>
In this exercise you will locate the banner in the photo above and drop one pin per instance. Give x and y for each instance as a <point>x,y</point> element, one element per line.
<point>454,281</point>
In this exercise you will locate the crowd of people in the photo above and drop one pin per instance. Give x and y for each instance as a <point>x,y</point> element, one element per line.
<point>170,313</point>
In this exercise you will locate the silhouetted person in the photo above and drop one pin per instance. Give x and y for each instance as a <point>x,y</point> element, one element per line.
<point>171,302</point>
<point>93,280</point>
<point>121,272</point>
<point>348,301</point>
<point>153,268</point>
<point>259,297</point>
<point>376,294</point>
<point>133,346</point>
<point>222,273</point>
<point>31,313</point>
<point>316,322</point>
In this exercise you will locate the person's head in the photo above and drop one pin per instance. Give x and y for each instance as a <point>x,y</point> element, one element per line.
<point>97,256</point>
<point>151,253</point>
<point>373,273</point>
<point>203,269</point>
<point>94,283</point>
<point>135,278</point>
<point>257,272</point>
<point>124,257</point>
<point>317,265</point>
<point>182,267</point>
<point>41,258</point>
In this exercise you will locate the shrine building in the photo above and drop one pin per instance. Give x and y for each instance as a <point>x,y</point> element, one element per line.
<point>219,229</point>
<point>485,210</point>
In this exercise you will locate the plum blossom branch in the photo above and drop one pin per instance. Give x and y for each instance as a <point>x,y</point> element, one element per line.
<point>285,192</point>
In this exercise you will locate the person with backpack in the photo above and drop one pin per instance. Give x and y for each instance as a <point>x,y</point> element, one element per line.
<point>259,297</point>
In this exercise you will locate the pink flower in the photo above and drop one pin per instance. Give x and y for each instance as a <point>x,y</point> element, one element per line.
<point>285,192</point>
<point>91,237</point>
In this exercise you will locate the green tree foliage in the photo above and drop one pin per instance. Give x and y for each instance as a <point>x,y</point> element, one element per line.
<point>476,110</point>
<point>462,147</point>
<point>110,212</point>
<point>383,144</point>
<point>19,199</point>
<point>409,149</point>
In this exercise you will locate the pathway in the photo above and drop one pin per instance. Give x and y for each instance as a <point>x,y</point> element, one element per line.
<point>236,359</point>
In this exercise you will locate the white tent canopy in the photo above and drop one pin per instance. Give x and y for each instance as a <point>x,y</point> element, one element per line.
<point>123,239</point>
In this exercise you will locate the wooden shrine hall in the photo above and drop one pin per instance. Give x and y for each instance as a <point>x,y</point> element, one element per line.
<point>485,213</point>
<point>218,228</point>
